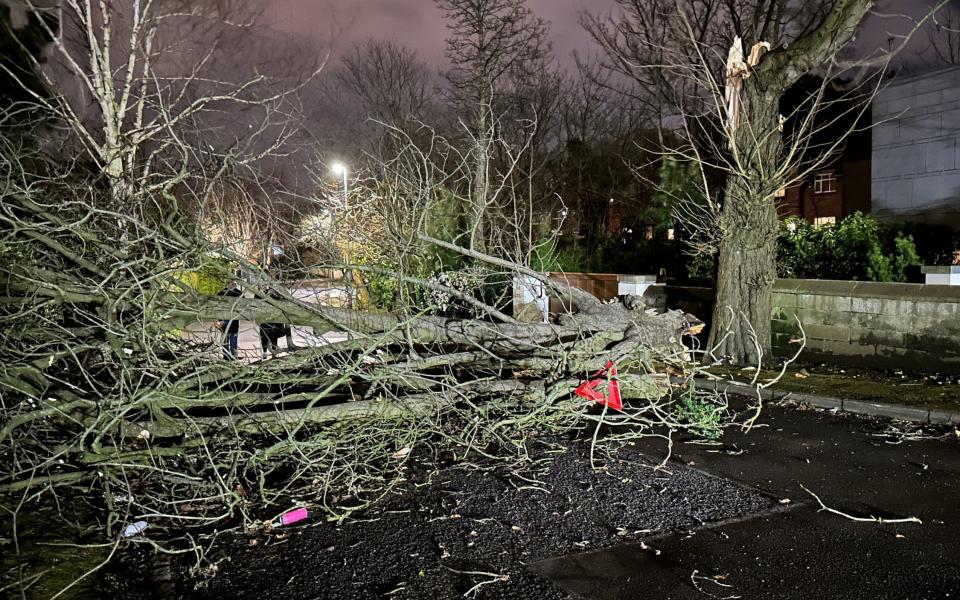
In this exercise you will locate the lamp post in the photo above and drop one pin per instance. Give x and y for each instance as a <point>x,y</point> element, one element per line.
<point>338,168</point>
<point>349,276</point>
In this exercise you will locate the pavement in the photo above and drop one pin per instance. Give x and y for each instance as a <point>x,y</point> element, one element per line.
<point>862,467</point>
<point>320,292</point>
<point>248,338</point>
<point>860,407</point>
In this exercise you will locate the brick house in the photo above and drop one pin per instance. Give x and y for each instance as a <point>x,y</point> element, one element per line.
<point>829,194</point>
<point>841,186</point>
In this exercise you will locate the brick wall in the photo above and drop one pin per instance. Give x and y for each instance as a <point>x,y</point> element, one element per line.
<point>605,286</point>
<point>601,285</point>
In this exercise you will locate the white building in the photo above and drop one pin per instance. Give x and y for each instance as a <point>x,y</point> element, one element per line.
<point>916,149</point>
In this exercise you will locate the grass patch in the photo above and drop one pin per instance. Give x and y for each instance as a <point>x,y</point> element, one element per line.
<point>917,390</point>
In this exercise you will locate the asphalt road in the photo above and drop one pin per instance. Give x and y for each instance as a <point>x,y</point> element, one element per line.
<point>798,550</point>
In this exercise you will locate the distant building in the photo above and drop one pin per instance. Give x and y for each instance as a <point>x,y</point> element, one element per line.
<point>916,149</point>
<point>838,186</point>
<point>830,193</point>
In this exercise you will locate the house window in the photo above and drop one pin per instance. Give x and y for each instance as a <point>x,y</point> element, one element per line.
<point>559,220</point>
<point>671,234</point>
<point>781,193</point>
<point>824,183</point>
<point>825,221</point>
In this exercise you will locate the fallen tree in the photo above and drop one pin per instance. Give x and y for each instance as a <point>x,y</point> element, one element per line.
<point>103,396</point>
<point>99,385</point>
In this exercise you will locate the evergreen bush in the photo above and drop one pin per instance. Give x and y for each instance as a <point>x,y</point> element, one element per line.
<point>856,248</point>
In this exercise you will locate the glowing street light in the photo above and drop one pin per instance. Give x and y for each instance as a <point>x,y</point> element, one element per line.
<point>350,275</point>
<point>338,168</point>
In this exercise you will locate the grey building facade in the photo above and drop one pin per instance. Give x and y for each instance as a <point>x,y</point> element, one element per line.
<point>915,171</point>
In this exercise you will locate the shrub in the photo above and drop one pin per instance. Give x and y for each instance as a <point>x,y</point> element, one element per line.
<point>856,248</point>
<point>478,281</point>
<point>701,269</point>
<point>382,287</point>
<point>936,244</point>
<point>210,277</point>
<point>548,256</point>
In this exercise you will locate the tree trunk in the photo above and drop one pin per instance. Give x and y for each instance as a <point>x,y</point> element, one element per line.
<point>745,276</point>
<point>479,196</point>
<point>748,220</point>
<point>740,329</point>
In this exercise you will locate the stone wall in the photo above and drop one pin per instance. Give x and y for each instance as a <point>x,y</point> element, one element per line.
<point>863,323</point>
<point>916,148</point>
<point>887,325</point>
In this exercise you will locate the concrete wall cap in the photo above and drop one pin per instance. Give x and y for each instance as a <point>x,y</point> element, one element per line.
<point>870,289</point>
<point>588,276</point>
<point>829,287</point>
<point>786,284</point>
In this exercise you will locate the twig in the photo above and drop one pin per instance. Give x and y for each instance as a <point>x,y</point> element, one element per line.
<point>472,592</point>
<point>870,519</point>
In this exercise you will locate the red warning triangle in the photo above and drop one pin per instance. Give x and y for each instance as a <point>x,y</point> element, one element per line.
<point>603,387</point>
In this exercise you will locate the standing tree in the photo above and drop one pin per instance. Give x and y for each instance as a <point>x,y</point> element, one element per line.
<point>20,55</point>
<point>380,85</point>
<point>943,37</point>
<point>604,136</point>
<point>691,57</point>
<point>136,78</point>
<point>494,45</point>
<point>389,80</point>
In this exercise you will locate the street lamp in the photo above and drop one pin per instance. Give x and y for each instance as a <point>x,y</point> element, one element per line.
<point>338,168</point>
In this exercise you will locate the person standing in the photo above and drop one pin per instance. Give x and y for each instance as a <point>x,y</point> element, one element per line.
<point>270,333</point>
<point>231,327</point>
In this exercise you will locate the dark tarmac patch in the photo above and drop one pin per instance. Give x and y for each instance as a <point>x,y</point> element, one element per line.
<point>468,531</point>
<point>864,467</point>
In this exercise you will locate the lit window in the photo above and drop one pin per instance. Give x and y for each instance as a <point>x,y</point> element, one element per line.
<point>824,183</point>
<point>781,193</point>
<point>670,234</point>
<point>825,221</point>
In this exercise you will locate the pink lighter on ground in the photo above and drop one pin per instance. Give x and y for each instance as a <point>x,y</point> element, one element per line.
<point>292,516</point>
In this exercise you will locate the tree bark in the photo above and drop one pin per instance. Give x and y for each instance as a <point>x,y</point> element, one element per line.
<point>746,271</point>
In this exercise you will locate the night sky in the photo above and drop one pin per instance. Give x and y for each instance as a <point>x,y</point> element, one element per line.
<point>416,23</point>
<point>419,24</point>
